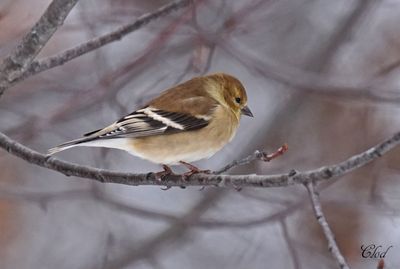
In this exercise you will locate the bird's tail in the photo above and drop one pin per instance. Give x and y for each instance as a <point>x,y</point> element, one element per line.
<point>69,144</point>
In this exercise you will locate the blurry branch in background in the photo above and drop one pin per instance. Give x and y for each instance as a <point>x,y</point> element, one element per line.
<point>42,199</point>
<point>236,181</point>
<point>314,83</point>
<point>91,45</point>
<point>18,61</point>
<point>19,70</point>
<point>292,250</point>
<point>177,229</point>
<point>82,101</point>
<point>332,246</point>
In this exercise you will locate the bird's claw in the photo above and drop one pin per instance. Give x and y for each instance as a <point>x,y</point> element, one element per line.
<point>161,175</point>
<point>193,170</point>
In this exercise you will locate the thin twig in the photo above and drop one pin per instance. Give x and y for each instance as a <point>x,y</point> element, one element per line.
<point>95,43</point>
<point>16,63</point>
<point>257,155</point>
<point>280,180</point>
<point>333,248</point>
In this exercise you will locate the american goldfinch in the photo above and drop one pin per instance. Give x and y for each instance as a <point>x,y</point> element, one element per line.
<point>186,123</point>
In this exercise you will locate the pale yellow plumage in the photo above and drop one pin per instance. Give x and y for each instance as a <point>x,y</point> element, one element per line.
<point>188,122</point>
<point>202,143</point>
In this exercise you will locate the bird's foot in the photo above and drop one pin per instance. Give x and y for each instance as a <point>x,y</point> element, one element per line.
<point>160,176</point>
<point>193,170</point>
<point>167,172</point>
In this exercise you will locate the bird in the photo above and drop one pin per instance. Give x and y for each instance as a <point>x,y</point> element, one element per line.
<point>185,123</point>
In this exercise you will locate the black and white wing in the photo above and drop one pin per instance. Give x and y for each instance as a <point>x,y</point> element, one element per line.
<point>141,123</point>
<point>151,121</point>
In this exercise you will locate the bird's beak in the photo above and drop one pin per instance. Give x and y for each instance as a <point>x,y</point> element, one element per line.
<point>246,111</point>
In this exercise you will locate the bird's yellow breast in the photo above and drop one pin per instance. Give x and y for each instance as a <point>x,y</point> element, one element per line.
<point>188,146</point>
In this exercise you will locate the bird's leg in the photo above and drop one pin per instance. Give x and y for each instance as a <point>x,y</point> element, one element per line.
<point>167,171</point>
<point>193,170</point>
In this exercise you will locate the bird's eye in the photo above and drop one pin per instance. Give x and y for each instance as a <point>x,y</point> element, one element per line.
<point>237,99</point>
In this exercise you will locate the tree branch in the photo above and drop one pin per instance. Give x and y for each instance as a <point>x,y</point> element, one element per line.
<point>257,155</point>
<point>280,180</point>
<point>41,65</point>
<point>333,248</point>
<point>15,64</point>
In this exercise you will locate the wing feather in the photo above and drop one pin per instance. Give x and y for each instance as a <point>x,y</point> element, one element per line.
<point>150,121</point>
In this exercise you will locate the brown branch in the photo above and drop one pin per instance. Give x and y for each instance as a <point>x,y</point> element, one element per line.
<point>95,43</point>
<point>280,180</point>
<point>333,248</point>
<point>15,64</point>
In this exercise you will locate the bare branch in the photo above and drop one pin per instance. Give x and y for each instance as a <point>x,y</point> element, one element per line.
<point>280,180</point>
<point>333,248</point>
<point>91,45</point>
<point>15,64</point>
<point>257,155</point>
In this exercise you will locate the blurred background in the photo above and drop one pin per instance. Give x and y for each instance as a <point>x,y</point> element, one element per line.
<point>321,76</point>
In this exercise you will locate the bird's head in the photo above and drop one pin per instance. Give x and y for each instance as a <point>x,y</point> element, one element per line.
<point>229,92</point>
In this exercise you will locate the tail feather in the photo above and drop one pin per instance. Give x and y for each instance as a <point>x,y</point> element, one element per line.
<point>69,144</point>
